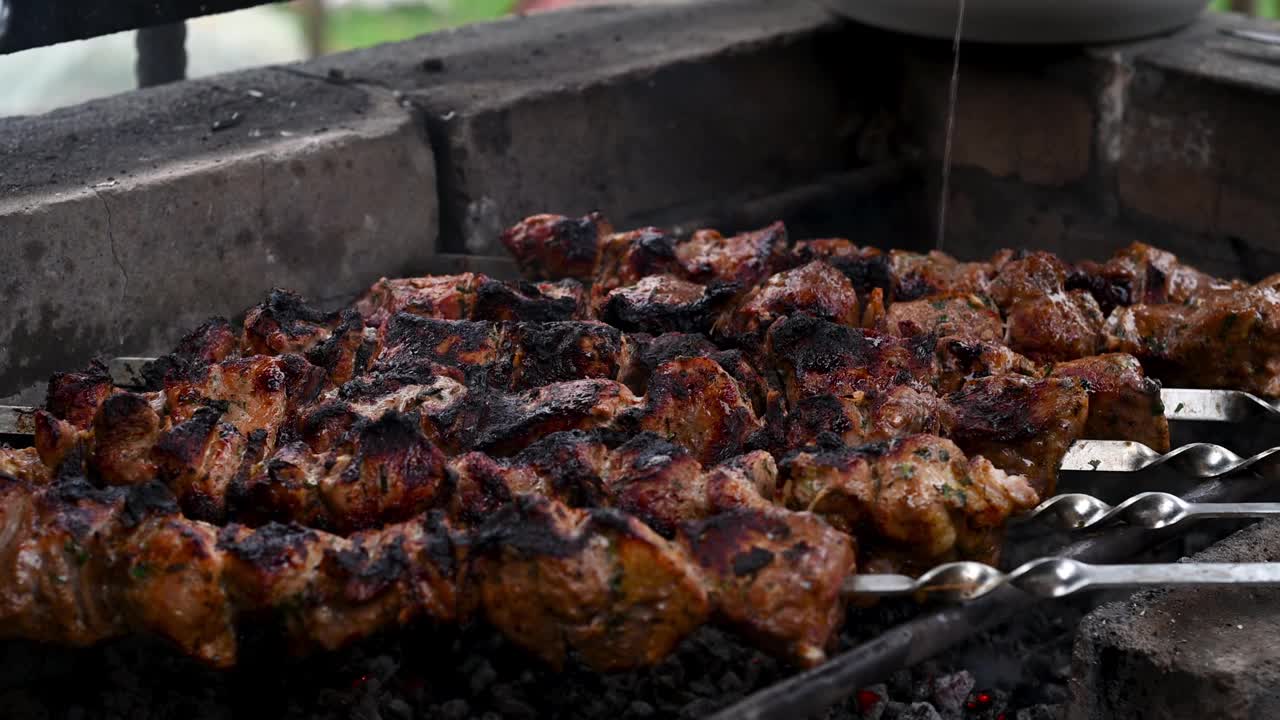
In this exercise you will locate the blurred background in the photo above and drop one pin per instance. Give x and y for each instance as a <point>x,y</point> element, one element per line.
<point>39,80</point>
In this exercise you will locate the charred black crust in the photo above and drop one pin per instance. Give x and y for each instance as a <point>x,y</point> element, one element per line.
<point>186,441</point>
<point>751,561</point>
<point>718,542</point>
<point>1109,289</point>
<point>192,354</point>
<point>526,526</point>
<point>66,391</point>
<point>526,301</point>
<point>269,546</point>
<point>292,314</point>
<point>413,346</point>
<point>145,501</point>
<point>558,456</point>
<point>692,317</point>
<point>577,238</point>
<point>865,273</point>
<point>553,352</point>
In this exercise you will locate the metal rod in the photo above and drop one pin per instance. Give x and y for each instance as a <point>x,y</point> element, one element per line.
<point>1216,405</point>
<point>813,691</point>
<point>162,54</point>
<point>1204,460</point>
<point>1153,510</point>
<point>1058,577</point>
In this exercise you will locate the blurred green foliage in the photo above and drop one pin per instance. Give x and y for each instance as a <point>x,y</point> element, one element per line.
<point>1265,8</point>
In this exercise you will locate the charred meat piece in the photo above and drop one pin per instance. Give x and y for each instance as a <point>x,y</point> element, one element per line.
<point>1030,276</point>
<point>816,289</point>
<point>567,467</point>
<point>1023,425</point>
<point>1059,326</point>
<point>346,352</point>
<point>24,464</point>
<point>415,346</point>
<point>529,301</point>
<point>694,403</point>
<point>775,576</point>
<point>936,273</point>
<point>961,359</point>
<point>626,258</point>
<point>1144,275</point>
<point>504,423</point>
<point>286,323</point>
<point>385,471</point>
<point>76,396</point>
<point>968,316</point>
<point>444,297</point>
<point>554,246</point>
<point>438,402</point>
<point>650,352</point>
<point>911,502</point>
<point>658,482</point>
<point>199,458</point>
<point>861,417</point>
<point>593,583</point>
<point>212,342</point>
<point>1124,404</point>
<point>665,303</point>
<point>253,394</point>
<point>544,353</point>
<point>125,431</point>
<point>1224,340</point>
<point>743,260</point>
<point>867,268</point>
<point>815,357</point>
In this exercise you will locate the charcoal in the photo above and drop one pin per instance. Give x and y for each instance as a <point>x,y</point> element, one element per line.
<point>951,691</point>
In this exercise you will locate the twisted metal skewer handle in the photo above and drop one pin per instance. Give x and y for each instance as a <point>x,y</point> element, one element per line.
<point>1203,460</point>
<point>1152,510</point>
<point>1058,577</point>
<point>1231,406</point>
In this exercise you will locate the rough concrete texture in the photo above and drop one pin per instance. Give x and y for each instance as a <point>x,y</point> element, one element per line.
<point>1186,653</point>
<point>1166,140</point>
<point>632,111</point>
<point>125,222</point>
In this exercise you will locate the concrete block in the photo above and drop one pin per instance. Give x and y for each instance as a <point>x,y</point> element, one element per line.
<point>629,110</point>
<point>126,221</point>
<point>1185,653</point>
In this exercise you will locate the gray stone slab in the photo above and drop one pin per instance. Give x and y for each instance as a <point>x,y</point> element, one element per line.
<point>1186,653</point>
<point>627,110</point>
<point>126,221</point>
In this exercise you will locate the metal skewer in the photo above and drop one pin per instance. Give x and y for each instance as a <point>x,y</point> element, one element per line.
<point>1152,510</point>
<point>1058,577</point>
<point>1204,460</point>
<point>1216,405</point>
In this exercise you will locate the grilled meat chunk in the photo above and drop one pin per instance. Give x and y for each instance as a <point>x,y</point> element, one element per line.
<point>868,268</point>
<point>911,502</point>
<point>961,359</point>
<point>968,316</point>
<point>286,323</point>
<point>696,404</point>
<point>386,471</point>
<point>529,301</point>
<point>554,246</point>
<point>1224,340</point>
<point>816,289</point>
<point>936,273</point>
<point>1143,275</point>
<point>814,357</point>
<point>199,458</point>
<point>211,342</point>
<point>775,576</point>
<point>595,583</point>
<point>743,260</point>
<point>76,396</point>
<point>626,258</point>
<point>1028,277</point>
<point>544,353</point>
<point>1057,326</point>
<point>125,430</point>
<point>445,297</point>
<point>1023,425</point>
<point>665,303</point>
<point>254,393</point>
<point>861,417</point>
<point>24,464</point>
<point>650,352</point>
<point>421,347</point>
<point>1124,404</point>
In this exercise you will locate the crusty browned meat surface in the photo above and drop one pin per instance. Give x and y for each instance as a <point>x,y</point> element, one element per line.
<point>1143,275</point>
<point>743,260</point>
<point>595,583</point>
<point>286,323</point>
<point>961,359</point>
<point>968,316</point>
<point>554,246</point>
<point>473,296</point>
<point>915,275</point>
<point>1223,340</point>
<point>665,303</point>
<point>1124,404</point>
<point>1058,326</point>
<point>696,404</point>
<point>913,502</point>
<point>24,464</point>
<point>776,576</point>
<point>649,353</point>
<point>1023,425</point>
<point>76,396</point>
<point>815,289</point>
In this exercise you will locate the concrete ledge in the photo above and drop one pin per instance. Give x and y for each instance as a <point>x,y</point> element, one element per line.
<point>149,221</point>
<point>628,110</point>
<point>1207,653</point>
